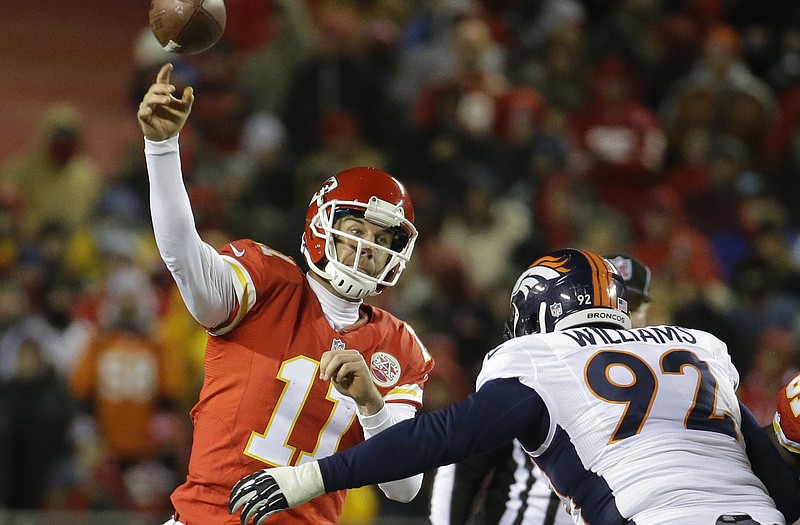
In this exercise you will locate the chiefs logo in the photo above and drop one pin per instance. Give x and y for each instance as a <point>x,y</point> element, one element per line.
<point>328,186</point>
<point>385,369</point>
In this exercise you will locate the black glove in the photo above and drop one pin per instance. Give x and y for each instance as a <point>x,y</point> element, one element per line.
<point>261,496</point>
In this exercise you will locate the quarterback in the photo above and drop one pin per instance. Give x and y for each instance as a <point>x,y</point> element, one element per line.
<point>296,367</point>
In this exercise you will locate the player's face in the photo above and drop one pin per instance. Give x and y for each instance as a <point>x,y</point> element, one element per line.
<point>370,260</point>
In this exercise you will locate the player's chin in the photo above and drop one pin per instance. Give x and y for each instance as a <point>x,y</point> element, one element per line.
<point>368,269</point>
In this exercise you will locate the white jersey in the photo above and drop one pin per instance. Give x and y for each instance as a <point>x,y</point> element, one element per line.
<point>644,424</point>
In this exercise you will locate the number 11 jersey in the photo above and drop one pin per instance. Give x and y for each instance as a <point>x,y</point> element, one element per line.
<point>262,403</point>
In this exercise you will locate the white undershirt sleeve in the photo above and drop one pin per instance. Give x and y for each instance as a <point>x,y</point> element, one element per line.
<point>205,280</point>
<point>402,490</point>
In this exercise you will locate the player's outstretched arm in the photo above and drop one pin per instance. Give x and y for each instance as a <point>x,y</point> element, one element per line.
<point>205,280</point>
<point>500,411</point>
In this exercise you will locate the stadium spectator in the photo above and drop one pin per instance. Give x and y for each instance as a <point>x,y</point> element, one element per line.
<point>265,73</point>
<point>41,408</point>
<point>431,49</point>
<point>783,147</point>
<point>334,77</point>
<point>619,140</point>
<point>53,325</point>
<point>674,250</point>
<point>56,180</point>
<point>561,74</point>
<point>491,226</point>
<point>520,128</point>
<point>722,95</point>
<point>124,378</point>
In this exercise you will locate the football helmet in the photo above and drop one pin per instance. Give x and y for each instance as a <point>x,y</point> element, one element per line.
<point>565,289</point>
<point>379,198</point>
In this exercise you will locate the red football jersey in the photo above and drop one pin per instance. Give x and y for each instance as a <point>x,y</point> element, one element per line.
<point>262,403</point>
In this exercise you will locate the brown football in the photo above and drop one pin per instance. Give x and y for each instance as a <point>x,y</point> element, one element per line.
<point>187,26</point>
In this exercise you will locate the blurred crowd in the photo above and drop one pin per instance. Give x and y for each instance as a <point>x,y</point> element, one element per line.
<point>665,129</point>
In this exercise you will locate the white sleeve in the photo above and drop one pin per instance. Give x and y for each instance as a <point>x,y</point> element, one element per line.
<point>402,490</point>
<point>205,280</point>
<point>510,359</point>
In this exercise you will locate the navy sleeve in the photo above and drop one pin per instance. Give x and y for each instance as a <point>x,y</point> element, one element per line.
<point>503,409</point>
<point>770,468</point>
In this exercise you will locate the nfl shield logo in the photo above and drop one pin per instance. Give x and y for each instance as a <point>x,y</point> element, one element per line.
<point>624,266</point>
<point>556,310</point>
<point>337,344</point>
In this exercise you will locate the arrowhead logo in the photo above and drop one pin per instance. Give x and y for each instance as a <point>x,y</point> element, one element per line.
<point>385,369</point>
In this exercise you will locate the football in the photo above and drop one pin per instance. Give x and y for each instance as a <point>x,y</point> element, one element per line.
<point>187,26</point>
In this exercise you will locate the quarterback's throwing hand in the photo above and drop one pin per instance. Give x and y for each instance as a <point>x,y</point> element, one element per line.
<point>260,495</point>
<point>161,115</point>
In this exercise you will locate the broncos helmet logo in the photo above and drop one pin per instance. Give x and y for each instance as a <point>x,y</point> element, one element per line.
<point>533,281</point>
<point>536,276</point>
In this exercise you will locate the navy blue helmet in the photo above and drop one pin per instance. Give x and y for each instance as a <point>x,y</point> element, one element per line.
<point>564,289</point>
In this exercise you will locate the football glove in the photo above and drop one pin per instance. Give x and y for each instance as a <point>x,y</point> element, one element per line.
<point>272,490</point>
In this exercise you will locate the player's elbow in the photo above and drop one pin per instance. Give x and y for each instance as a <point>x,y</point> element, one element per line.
<point>403,497</point>
<point>403,490</point>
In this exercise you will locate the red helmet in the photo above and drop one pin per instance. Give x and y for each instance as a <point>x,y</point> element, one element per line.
<point>380,199</point>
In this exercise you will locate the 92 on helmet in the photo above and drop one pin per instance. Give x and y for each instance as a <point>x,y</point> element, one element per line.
<point>564,289</point>
<point>380,199</point>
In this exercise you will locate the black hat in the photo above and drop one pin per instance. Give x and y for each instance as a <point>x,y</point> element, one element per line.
<point>635,273</point>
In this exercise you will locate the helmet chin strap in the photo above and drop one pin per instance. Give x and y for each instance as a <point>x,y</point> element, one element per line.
<point>347,284</point>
